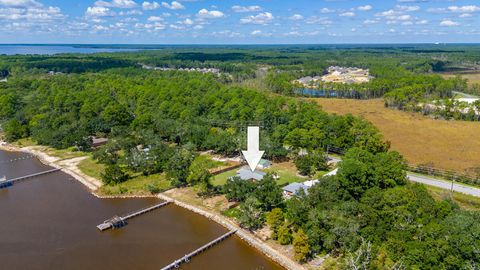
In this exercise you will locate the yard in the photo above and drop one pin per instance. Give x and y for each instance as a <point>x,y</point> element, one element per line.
<point>285,170</point>
<point>139,184</point>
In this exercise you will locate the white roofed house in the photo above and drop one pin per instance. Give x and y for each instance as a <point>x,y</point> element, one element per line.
<point>246,174</point>
<point>293,189</point>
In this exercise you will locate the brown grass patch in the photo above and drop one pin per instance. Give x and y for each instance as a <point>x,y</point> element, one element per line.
<point>451,145</point>
<point>473,78</point>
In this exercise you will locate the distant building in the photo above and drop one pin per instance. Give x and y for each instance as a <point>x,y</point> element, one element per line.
<point>97,142</point>
<point>293,189</point>
<point>264,164</point>
<point>247,174</point>
<point>468,100</point>
<point>311,183</point>
<point>332,173</point>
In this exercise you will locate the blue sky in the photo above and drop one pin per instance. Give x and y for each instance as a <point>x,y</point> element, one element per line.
<point>239,21</point>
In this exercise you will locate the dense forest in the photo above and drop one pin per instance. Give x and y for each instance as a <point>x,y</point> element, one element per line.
<point>367,216</point>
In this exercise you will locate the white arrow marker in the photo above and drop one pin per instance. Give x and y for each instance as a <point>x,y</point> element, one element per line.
<point>253,153</point>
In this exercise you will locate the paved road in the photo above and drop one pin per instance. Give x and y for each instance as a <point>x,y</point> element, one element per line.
<point>428,180</point>
<point>444,184</point>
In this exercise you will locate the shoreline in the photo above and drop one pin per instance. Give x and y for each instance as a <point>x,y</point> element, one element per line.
<point>93,184</point>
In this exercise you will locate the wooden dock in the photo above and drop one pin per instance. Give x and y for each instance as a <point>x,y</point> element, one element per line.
<point>118,222</point>
<point>189,256</point>
<point>9,182</point>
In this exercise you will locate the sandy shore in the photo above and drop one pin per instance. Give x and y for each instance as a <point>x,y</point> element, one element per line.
<point>70,167</point>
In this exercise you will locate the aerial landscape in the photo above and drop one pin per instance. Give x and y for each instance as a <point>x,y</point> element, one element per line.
<point>257,135</point>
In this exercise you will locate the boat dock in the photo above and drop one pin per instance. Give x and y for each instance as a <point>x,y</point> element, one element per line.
<point>188,257</point>
<point>9,182</point>
<point>118,222</point>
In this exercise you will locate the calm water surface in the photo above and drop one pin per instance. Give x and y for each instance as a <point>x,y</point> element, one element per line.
<point>54,49</point>
<point>50,223</point>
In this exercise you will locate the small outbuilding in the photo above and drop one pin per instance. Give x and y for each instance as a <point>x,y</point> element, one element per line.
<point>264,164</point>
<point>97,142</point>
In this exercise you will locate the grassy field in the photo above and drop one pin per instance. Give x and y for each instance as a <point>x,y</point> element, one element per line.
<point>473,78</point>
<point>221,179</point>
<point>465,202</point>
<point>287,172</point>
<point>137,185</point>
<point>451,145</point>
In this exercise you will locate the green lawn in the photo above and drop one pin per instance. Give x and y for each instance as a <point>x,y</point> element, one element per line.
<point>91,168</point>
<point>139,185</point>
<point>466,202</point>
<point>287,173</point>
<point>221,179</point>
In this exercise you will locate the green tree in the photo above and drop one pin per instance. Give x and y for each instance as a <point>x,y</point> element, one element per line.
<point>114,174</point>
<point>237,189</point>
<point>251,214</point>
<point>284,234</point>
<point>268,193</point>
<point>301,247</point>
<point>275,219</point>
<point>199,174</point>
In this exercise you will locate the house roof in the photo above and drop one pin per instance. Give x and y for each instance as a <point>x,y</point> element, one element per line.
<point>247,174</point>
<point>332,173</point>
<point>295,187</point>
<point>310,183</point>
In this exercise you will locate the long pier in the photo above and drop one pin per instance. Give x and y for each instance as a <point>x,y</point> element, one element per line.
<point>10,182</point>
<point>117,222</point>
<point>189,256</point>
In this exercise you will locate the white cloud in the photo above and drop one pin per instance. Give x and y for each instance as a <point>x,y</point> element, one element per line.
<point>210,14</point>
<point>326,10</point>
<point>296,17</point>
<point>155,19</point>
<point>174,5</point>
<point>447,22</point>
<point>150,5</point>
<point>256,33</point>
<point>116,4</point>
<point>99,12</point>
<point>407,8</point>
<point>246,8</point>
<point>465,15</point>
<point>187,21</point>
<point>35,14</point>
<point>150,27</point>
<point>318,20</point>
<point>365,8</point>
<point>464,9</point>
<point>347,14</point>
<point>228,34</point>
<point>261,18</point>
<point>422,22</point>
<point>20,3</point>
<point>368,21</point>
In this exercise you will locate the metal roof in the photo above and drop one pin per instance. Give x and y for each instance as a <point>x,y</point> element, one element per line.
<point>247,174</point>
<point>295,187</point>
